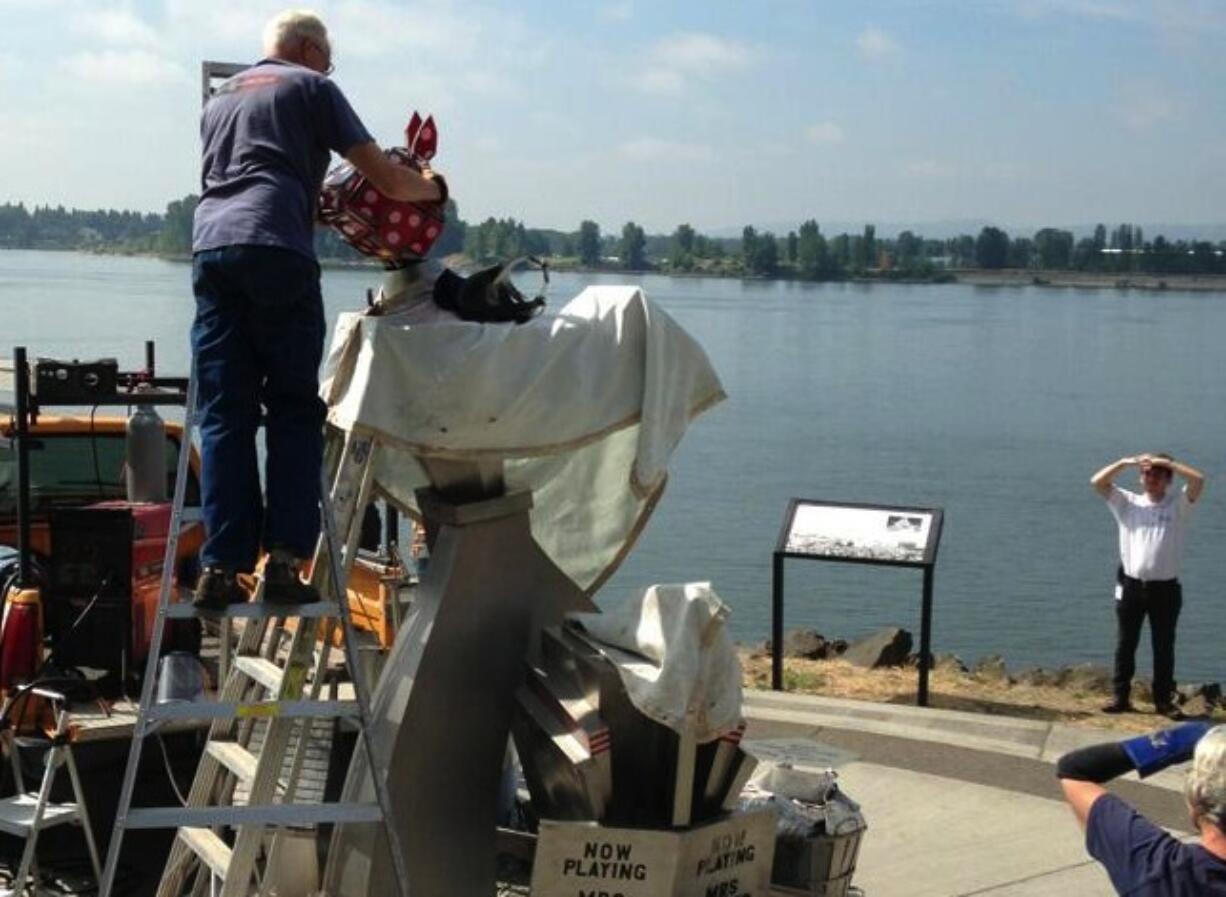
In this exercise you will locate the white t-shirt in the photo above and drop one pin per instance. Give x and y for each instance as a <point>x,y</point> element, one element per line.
<point>1151,533</point>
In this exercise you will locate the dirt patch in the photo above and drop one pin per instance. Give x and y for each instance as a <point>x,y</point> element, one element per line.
<point>950,690</point>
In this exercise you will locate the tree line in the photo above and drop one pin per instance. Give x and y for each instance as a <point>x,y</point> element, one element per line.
<point>166,234</point>
<point>808,254</point>
<point>805,253</point>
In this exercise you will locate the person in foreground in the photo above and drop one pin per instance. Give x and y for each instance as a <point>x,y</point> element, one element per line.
<point>1151,527</point>
<point>1141,859</point>
<point>258,333</point>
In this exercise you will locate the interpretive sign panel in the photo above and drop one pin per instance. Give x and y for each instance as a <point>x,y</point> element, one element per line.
<point>857,534</point>
<point>730,857</point>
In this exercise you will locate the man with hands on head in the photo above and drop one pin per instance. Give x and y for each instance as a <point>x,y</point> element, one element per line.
<point>268,134</point>
<point>1151,528</point>
<point>1141,859</point>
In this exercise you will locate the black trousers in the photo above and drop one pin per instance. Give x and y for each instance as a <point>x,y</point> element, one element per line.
<point>1161,602</point>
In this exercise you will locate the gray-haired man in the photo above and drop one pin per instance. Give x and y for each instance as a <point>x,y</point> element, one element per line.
<point>258,335</point>
<point>1141,859</point>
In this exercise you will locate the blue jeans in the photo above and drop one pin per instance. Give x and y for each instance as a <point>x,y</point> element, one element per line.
<point>258,340</point>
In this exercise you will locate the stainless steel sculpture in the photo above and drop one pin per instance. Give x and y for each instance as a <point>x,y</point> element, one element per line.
<point>453,403</point>
<point>444,700</point>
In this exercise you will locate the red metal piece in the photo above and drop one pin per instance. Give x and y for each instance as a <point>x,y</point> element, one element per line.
<point>21,649</point>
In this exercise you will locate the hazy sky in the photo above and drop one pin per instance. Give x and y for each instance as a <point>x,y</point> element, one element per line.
<point>718,113</point>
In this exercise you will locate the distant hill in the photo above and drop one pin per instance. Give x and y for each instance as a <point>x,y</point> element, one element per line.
<point>934,230</point>
<point>1212,232</point>
<point>943,229</point>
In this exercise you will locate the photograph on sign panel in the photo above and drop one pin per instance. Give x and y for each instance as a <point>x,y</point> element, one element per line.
<point>877,534</point>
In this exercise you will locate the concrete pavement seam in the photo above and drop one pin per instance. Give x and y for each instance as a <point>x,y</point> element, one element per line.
<point>1019,881</point>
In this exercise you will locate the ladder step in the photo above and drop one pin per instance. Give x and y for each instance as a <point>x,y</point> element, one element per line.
<point>17,814</point>
<point>180,710</point>
<point>234,757</point>
<point>261,670</point>
<point>253,610</point>
<point>213,851</point>
<point>263,814</point>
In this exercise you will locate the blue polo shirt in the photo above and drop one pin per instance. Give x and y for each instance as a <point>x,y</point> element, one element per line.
<point>268,134</point>
<point>1143,860</point>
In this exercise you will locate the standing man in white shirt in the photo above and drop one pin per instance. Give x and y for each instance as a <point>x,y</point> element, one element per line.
<point>1147,584</point>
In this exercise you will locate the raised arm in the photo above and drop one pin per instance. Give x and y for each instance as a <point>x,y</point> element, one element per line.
<point>1102,480</point>
<point>1193,477</point>
<point>396,181</point>
<point>1081,771</point>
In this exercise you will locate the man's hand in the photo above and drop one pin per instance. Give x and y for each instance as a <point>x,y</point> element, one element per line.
<point>1194,478</point>
<point>437,180</point>
<point>1102,480</point>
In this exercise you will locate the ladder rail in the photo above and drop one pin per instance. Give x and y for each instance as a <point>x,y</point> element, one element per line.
<point>212,781</point>
<point>300,748</point>
<point>350,489</point>
<point>36,823</point>
<point>294,775</point>
<point>155,647</point>
<point>333,454</point>
<point>262,789</point>
<point>362,697</point>
<point>86,825</point>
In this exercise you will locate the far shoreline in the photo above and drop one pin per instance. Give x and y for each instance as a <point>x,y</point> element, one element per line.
<point>1085,280</point>
<point>976,277</point>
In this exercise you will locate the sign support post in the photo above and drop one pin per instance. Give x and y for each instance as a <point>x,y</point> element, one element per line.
<point>925,652</point>
<point>777,623</point>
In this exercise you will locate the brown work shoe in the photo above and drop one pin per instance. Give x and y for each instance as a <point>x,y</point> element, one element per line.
<point>1119,705</point>
<point>1169,710</point>
<point>217,589</point>
<point>282,584</point>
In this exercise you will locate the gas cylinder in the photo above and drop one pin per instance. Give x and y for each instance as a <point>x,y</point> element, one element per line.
<point>21,637</point>
<point>146,455</point>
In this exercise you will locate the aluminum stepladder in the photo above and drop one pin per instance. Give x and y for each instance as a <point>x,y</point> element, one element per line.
<point>26,814</point>
<point>264,686</point>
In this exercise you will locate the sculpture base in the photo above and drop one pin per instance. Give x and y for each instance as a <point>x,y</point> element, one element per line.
<point>442,707</point>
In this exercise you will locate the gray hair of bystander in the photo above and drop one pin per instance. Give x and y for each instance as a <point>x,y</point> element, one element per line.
<point>293,24</point>
<point>1205,787</point>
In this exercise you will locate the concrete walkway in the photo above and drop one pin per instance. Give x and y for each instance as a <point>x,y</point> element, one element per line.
<point>956,803</point>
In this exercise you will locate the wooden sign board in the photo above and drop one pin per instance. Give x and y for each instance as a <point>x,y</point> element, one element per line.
<point>730,857</point>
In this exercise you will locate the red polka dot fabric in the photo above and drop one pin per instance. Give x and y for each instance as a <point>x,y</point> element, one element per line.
<point>374,224</point>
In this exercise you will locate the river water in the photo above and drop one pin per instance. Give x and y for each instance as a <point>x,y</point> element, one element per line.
<point>995,404</point>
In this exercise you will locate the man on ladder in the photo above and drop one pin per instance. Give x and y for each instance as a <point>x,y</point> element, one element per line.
<point>259,328</point>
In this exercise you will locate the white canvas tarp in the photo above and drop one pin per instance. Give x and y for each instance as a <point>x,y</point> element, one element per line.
<point>674,656</point>
<point>584,406</point>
